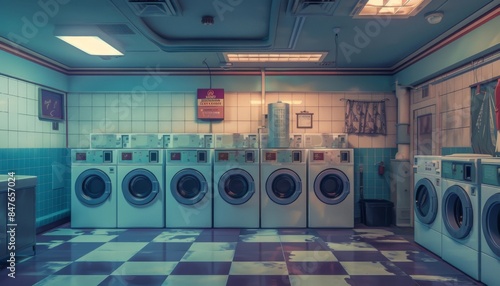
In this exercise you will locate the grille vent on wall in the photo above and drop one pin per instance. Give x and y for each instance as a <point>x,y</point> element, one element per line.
<point>314,7</point>
<point>155,8</point>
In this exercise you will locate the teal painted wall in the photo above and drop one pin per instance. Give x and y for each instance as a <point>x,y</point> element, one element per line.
<point>477,43</point>
<point>22,69</point>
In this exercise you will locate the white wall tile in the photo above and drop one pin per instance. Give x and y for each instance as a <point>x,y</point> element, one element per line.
<point>85,99</point>
<point>324,113</point>
<point>124,113</point>
<point>151,126</point>
<point>85,113</point>
<point>99,99</point>
<point>31,107</point>
<point>379,141</point>
<point>244,113</point>
<point>152,113</point>
<point>112,99</point>
<point>165,126</point>
<point>231,99</point>
<point>152,99</point>
<point>336,99</point>
<point>255,113</point>
<point>244,99</point>
<point>178,99</point>
<point>218,127</point>
<point>178,115</point>
<point>12,86</point>
<point>178,126</point>
<point>124,126</point>
<point>338,126</point>
<point>21,89</point>
<point>299,100</point>
<point>312,99</point>
<point>13,104</point>
<point>190,126</point>
<point>190,99</point>
<point>271,98</point>
<point>390,141</point>
<point>325,99</point>
<point>112,112</point>
<point>4,85</point>
<point>112,126</point>
<point>338,113</point>
<point>231,126</point>
<point>203,126</point>
<point>4,103</point>
<point>165,99</point>
<point>365,141</point>
<point>73,99</point>
<point>138,126</point>
<point>231,113</point>
<point>13,120</point>
<point>285,97</point>
<point>138,113</point>
<point>255,99</point>
<point>21,105</point>
<point>325,126</point>
<point>12,138</point>
<point>245,127</point>
<point>353,140</point>
<point>165,113</point>
<point>98,113</point>
<point>4,119</point>
<point>190,113</point>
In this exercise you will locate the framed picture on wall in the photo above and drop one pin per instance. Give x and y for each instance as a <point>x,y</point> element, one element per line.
<point>50,105</point>
<point>304,119</point>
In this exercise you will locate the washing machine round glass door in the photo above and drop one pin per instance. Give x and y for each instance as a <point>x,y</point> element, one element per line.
<point>93,187</point>
<point>236,186</point>
<point>283,186</point>
<point>188,186</point>
<point>491,223</point>
<point>140,187</point>
<point>426,201</point>
<point>331,186</point>
<point>457,212</point>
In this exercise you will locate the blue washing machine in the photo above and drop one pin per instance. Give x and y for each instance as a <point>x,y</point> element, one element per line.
<point>460,209</point>
<point>94,189</point>
<point>141,197</point>
<point>427,202</point>
<point>490,222</point>
<point>283,188</point>
<point>188,198</point>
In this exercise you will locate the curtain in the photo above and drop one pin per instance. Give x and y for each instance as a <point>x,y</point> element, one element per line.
<point>482,114</point>
<point>365,117</point>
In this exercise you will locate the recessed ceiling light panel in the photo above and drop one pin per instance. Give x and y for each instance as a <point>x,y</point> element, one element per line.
<point>390,8</point>
<point>275,57</point>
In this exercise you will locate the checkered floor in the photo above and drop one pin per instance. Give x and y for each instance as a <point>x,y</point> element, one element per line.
<point>240,257</point>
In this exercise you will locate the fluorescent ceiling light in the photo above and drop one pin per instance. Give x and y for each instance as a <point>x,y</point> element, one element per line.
<point>92,45</point>
<point>89,39</point>
<point>274,57</point>
<point>393,8</point>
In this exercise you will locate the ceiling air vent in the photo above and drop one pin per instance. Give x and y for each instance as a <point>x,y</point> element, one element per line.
<point>154,8</point>
<point>314,7</point>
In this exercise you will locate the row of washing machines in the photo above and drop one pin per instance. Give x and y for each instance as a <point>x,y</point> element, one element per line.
<point>457,211</point>
<point>205,180</point>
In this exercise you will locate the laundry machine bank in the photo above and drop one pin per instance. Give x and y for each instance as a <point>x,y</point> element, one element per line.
<point>283,188</point>
<point>94,188</point>
<point>427,202</point>
<point>140,178</point>
<point>490,221</point>
<point>330,188</point>
<point>460,213</point>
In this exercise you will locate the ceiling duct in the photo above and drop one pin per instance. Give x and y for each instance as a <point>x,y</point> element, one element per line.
<point>314,7</point>
<point>155,8</point>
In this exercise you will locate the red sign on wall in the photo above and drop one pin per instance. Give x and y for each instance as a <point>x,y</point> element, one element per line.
<point>211,103</point>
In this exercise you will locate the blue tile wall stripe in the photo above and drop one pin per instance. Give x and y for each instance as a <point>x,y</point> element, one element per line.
<point>51,205</point>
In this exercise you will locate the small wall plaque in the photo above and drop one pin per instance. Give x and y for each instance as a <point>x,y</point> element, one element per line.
<point>304,119</point>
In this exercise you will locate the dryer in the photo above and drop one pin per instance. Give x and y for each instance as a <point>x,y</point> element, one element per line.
<point>188,199</point>
<point>236,188</point>
<point>94,191</point>
<point>460,213</point>
<point>283,188</point>
<point>490,221</point>
<point>330,188</point>
<point>141,199</point>
<point>427,202</point>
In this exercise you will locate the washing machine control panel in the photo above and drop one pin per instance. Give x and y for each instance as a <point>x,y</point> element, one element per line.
<point>333,156</point>
<point>143,141</point>
<point>460,171</point>
<point>191,141</point>
<point>188,157</point>
<point>106,141</point>
<point>92,156</point>
<point>283,156</point>
<point>236,156</point>
<point>139,156</point>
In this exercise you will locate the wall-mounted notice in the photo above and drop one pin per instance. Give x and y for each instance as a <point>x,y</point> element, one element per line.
<point>211,103</point>
<point>50,105</point>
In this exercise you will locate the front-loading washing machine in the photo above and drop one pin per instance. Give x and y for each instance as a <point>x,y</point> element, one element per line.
<point>460,213</point>
<point>188,199</point>
<point>490,221</point>
<point>94,190</point>
<point>141,199</point>
<point>236,188</point>
<point>283,186</point>
<point>427,202</point>
<point>330,188</point>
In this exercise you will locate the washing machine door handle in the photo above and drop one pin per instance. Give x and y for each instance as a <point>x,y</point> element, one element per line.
<point>251,187</point>
<point>156,186</point>
<point>467,217</point>
<point>107,189</point>
<point>204,187</point>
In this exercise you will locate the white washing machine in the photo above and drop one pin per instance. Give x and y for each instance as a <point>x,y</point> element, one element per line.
<point>283,186</point>
<point>141,199</point>
<point>490,222</point>
<point>331,188</point>
<point>427,202</point>
<point>236,188</point>
<point>94,188</point>
<point>460,208</point>
<point>188,198</point>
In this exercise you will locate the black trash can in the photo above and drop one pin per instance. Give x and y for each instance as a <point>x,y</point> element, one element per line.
<point>376,212</point>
